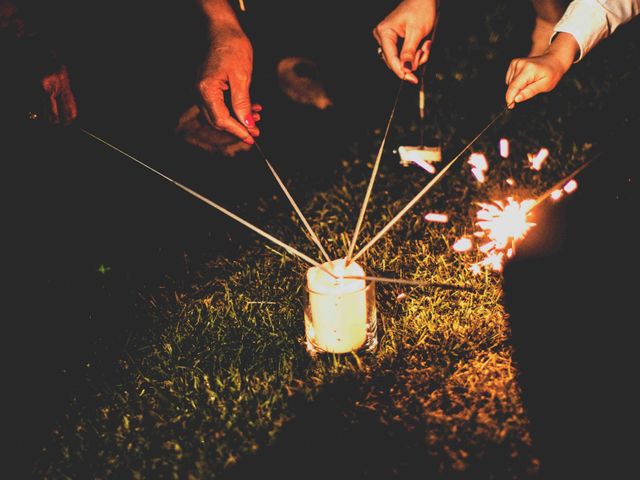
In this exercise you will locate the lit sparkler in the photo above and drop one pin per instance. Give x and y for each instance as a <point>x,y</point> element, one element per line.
<point>463,244</point>
<point>479,166</point>
<point>571,186</point>
<point>502,223</point>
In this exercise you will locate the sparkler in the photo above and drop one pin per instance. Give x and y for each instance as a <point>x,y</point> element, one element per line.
<point>428,187</point>
<point>374,173</point>
<point>504,223</point>
<point>211,203</point>
<point>314,237</point>
<point>538,159</point>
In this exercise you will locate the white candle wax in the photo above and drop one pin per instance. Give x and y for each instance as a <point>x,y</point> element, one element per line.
<point>337,307</point>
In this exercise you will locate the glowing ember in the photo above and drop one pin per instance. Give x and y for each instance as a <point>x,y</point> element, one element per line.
<point>556,194</point>
<point>571,186</point>
<point>426,165</point>
<point>437,217</point>
<point>401,296</point>
<point>511,182</point>
<point>479,174</point>
<point>536,161</point>
<point>479,166</point>
<point>475,269</point>
<point>502,223</point>
<point>478,160</point>
<point>504,147</point>
<point>463,244</point>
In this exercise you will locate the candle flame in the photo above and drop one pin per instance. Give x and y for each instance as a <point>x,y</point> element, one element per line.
<point>463,244</point>
<point>536,161</point>
<point>504,147</point>
<point>571,186</point>
<point>437,217</point>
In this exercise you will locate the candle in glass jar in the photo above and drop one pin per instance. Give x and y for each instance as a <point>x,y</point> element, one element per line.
<point>336,314</point>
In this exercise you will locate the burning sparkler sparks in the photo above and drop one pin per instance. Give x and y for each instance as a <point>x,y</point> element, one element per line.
<point>502,223</point>
<point>479,166</point>
<point>436,217</point>
<point>504,148</point>
<point>571,186</point>
<point>556,195</point>
<point>463,244</point>
<point>536,161</point>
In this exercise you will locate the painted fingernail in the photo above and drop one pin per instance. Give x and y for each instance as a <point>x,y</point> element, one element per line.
<point>248,121</point>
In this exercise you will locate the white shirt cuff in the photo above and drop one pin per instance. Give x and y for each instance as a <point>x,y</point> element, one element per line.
<point>586,20</point>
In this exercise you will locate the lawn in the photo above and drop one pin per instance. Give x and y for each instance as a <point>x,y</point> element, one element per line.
<point>220,385</point>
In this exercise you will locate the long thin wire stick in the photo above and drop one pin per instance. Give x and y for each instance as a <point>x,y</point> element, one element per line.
<point>314,237</point>
<point>415,283</point>
<point>372,180</point>
<point>428,187</point>
<point>211,203</point>
<point>561,183</point>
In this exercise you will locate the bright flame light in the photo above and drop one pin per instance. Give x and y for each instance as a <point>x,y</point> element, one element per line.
<point>426,165</point>
<point>478,160</point>
<point>556,194</point>
<point>479,166</point>
<point>511,182</point>
<point>437,217</point>
<point>571,186</point>
<point>536,161</point>
<point>502,223</point>
<point>463,244</point>
<point>504,147</point>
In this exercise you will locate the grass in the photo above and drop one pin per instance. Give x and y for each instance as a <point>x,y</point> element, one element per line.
<point>220,385</point>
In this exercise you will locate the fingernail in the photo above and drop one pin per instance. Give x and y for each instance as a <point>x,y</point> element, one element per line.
<point>248,120</point>
<point>248,140</point>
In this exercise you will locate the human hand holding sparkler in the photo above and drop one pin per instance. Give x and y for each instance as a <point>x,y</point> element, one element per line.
<point>411,21</point>
<point>228,67</point>
<point>527,77</point>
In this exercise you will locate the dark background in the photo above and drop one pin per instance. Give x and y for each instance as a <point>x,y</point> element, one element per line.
<point>71,205</point>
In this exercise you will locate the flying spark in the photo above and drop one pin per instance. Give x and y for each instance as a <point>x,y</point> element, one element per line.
<point>479,166</point>
<point>463,244</point>
<point>504,147</point>
<point>437,217</point>
<point>571,186</point>
<point>536,161</point>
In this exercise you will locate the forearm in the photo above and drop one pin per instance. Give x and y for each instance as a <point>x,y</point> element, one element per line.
<point>219,14</point>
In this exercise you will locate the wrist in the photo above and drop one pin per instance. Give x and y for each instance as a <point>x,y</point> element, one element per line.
<point>565,49</point>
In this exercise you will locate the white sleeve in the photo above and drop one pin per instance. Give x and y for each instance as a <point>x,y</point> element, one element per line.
<point>590,21</point>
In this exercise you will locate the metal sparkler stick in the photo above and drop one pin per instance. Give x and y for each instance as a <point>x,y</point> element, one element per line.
<point>374,173</point>
<point>428,187</point>
<point>416,283</point>
<point>562,182</point>
<point>211,203</point>
<point>421,90</point>
<point>314,237</point>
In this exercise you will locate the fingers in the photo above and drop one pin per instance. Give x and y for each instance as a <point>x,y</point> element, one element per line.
<point>212,92</point>
<point>422,55</point>
<point>241,102</point>
<point>388,40</point>
<point>53,104</point>
<point>410,48</point>
<point>517,79</point>
<point>68,106</point>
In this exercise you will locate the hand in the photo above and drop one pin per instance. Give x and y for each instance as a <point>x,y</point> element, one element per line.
<point>62,102</point>
<point>527,77</point>
<point>228,67</point>
<point>412,21</point>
